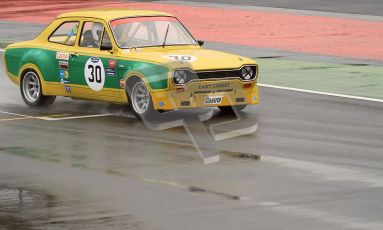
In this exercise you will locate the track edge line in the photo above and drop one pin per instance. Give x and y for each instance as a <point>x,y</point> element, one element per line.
<point>321,93</point>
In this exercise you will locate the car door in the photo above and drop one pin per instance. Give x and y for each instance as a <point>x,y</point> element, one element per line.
<point>60,46</point>
<point>94,72</point>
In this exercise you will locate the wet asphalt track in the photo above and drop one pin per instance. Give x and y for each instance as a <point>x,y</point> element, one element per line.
<point>321,167</point>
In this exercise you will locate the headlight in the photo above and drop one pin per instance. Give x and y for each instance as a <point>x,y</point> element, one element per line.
<point>180,77</point>
<point>248,73</point>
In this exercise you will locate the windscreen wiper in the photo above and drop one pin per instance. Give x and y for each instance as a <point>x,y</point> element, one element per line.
<point>166,36</point>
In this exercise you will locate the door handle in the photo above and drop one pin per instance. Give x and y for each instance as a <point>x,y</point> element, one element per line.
<point>73,55</point>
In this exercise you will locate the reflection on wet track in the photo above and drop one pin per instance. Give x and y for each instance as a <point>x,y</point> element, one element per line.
<point>113,172</point>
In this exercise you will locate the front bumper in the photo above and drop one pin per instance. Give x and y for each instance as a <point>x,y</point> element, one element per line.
<point>195,94</point>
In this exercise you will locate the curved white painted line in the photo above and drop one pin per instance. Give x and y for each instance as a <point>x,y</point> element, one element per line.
<point>233,133</point>
<point>321,93</point>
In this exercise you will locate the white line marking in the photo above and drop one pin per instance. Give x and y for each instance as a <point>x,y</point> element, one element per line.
<point>46,118</point>
<point>233,133</point>
<point>75,117</point>
<point>211,160</point>
<point>15,119</point>
<point>16,114</point>
<point>321,93</point>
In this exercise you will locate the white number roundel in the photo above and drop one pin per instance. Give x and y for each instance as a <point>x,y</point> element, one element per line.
<point>94,73</point>
<point>182,58</point>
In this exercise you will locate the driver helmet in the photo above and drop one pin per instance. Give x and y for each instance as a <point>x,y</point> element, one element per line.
<point>95,29</point>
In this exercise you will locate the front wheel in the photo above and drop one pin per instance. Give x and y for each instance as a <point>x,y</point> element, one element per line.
<point>31,91</point>
<point>229,109</point>
<point>140,101</point>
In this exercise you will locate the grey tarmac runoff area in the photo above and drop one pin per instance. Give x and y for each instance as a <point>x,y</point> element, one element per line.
<point>367,7</point>
<point>91,165</point>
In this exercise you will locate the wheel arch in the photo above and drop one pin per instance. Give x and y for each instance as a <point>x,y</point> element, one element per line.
<point>134,75</point>
<point>32,67</point>
<point>131,81</point>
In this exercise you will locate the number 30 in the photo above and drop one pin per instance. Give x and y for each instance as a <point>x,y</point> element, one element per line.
<point>95,73</point>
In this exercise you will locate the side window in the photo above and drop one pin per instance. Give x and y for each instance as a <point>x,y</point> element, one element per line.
<point>106,40</point>
<point>65,34</point>
<point>91,35</point>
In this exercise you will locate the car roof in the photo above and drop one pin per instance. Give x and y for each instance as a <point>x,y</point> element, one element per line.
<point>110,14</point>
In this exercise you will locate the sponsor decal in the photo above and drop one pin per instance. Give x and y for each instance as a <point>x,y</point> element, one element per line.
<point>63,65</point>
<point>63,81</point>
<point>214,85</point>
<point>254,98</point>
<point>94,59</point>
<point>94,74</point>
<point>64,74</point>
<point>213,100</point>
<point>68,89</point>
<point>122,83</point>
<point>112,63</point>
<point>110,72</point>
<point>62,56</point>
<point>181,58</point>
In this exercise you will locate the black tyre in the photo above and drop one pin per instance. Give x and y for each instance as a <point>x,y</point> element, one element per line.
<point>140,100</point>
<point>229,109</point>
<point>31,90</point>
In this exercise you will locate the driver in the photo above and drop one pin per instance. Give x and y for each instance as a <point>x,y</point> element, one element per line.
<point>96,31</point>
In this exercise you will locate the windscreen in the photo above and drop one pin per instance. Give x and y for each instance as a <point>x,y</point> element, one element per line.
<point>150,31</point>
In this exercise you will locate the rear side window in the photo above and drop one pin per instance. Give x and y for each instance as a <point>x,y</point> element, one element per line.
<point>65,34</point>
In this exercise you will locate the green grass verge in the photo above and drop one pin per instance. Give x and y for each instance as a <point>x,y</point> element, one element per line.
<point>358,80</point>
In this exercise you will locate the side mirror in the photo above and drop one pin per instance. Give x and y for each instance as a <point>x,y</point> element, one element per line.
<point>107,47</point>
<point>200,42</point>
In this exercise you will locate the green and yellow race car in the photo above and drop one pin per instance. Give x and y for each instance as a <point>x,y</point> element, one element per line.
<point>146,59</point>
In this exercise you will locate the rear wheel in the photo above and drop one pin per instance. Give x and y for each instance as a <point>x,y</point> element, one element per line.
<point>31,90</point>
<point>140,101</point>
<point>229,109</point>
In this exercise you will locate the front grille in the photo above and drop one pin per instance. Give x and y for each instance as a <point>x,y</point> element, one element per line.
<point>219,74</point>
<point>190,75</point>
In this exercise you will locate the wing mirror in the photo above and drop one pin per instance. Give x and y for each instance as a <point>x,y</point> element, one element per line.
<point>200,42</point>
